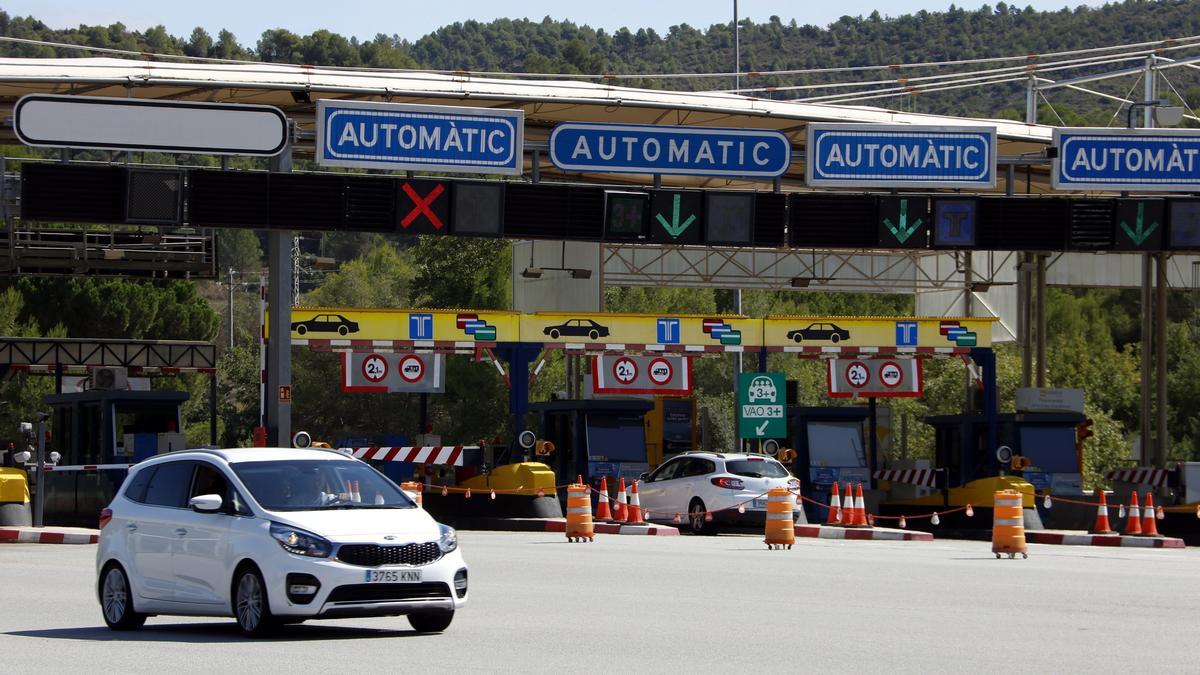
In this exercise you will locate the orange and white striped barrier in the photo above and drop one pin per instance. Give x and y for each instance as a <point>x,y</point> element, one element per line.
<point>579,514</point>
<point>635,506</point>
<point>780,531</point>
<point>835,507</point>
<point>1133,522</point>
<point>603,511</point>
<point>1008,525</point>
<point>413,489</point>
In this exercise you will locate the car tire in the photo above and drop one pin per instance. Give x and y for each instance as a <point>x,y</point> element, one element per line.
<point>342,330</point>
<point>696,522</point>
<point>797,338</point>
<point>554,334</point>
<point>116,600</point>
<point>835,338</point>
<point>251,606</point>
<point>594,335</point>
<point>430,622</point>
<point>301,330</point>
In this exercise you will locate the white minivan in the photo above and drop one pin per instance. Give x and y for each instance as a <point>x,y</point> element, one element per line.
<point>272,536</point>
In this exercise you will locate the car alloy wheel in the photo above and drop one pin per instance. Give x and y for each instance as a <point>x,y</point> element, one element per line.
<point>250,606</point>
<point>116,602</point>
<point>696,517</point>
<point>430,622</point>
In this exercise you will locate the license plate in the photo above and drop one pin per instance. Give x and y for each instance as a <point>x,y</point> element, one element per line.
<point>758,504</point>
<point>393,576</point>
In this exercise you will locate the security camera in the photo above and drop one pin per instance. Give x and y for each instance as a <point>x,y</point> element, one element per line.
<point>54,457</point>
<point>302,439</point>
<point>26,428</point>
<point>22,457</point>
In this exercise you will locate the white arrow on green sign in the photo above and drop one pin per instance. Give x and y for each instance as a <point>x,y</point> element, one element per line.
<point>761,405</point>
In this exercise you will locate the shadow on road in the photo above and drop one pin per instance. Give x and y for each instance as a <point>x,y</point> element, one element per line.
<point>211,633</point>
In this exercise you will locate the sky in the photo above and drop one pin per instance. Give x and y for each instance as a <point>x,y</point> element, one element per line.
<point>247,19</point>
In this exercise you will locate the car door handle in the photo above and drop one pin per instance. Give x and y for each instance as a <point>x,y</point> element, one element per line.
<point>180,531</point>
<point>132,527</point>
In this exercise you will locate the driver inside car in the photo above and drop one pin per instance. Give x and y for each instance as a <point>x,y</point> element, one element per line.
<point>306,489</point>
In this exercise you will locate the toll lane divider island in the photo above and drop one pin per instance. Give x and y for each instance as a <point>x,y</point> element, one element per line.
<point>467,331</point>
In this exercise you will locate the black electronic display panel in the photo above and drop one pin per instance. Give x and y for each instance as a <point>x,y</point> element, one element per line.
<point>729,218</point>
<point>1183,216</point>
<point>675,216</point>
<point>625,215</point>
<point>1139,224</point>
<point>477,209</point>
<point>903,222</point>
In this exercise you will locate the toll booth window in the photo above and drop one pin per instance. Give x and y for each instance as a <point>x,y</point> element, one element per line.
<point>169,485</point>
<point>1050,448</point>
<point>836,444</point>
<point>620,438</point>
<point>677,421</point>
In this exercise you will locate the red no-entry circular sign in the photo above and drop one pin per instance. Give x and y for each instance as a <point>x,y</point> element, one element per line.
<point>625,370</point>
<point>891,374</point>
<point>857,374</point>
<point>660,371</point>
<point>412,368</point>
<point>375,368</point>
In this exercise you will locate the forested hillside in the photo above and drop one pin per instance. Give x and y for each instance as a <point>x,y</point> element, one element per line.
<point>1094,341</point>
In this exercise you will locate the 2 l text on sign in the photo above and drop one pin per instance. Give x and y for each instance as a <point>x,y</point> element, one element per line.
<point>1127,159</point>
<point>859,155</point>
<point>419,137</point>
<point>651,148</point>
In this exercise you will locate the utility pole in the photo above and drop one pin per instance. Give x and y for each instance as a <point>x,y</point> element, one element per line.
<point>737,53</point>
<point>230,285</point>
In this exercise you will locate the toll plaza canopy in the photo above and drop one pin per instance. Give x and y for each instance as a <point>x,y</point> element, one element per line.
<point>296,90</point>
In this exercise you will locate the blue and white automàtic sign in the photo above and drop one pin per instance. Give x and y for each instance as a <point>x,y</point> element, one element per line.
<point>419,137</point>
<point>650,148</point>
<point>893,156</point>
<point>1127,159</point>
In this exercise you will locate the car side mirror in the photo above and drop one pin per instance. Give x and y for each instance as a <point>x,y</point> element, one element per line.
<point>205,503</point>
<point>645,477</point>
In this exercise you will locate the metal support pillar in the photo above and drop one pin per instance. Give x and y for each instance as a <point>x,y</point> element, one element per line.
<point>535,167</point>
<point>967,307</point>
<point>737,356</point>
<point>58,378</point>
<point>986,360</point>
<point>519,356</point>
<point>1031,101</point>
<point>279,345</point>
<point>1025,317</point>
<point>1147,349</point>
<point>873,442</point>
<point>1041,320</point>
<point>39,504</point>
<point>1162,442</point>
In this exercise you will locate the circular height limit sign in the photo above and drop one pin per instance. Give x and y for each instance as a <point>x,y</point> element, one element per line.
<point>891,374</point>
<point>857,374</point>
<point>375,368</point>
<point>625,370</point>
<point>661,371</point>
<point>412,368</point>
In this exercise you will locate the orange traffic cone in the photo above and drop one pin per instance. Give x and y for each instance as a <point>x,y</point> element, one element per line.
<point>860,508</point>
<point>1133,524</point>
<point>835,508</point>
<point>1101,526</point>
<point>622,511</point>
<point>846,514</point>
<point>1149,527</point>
<point>635,507</point>
<point>603,512</point>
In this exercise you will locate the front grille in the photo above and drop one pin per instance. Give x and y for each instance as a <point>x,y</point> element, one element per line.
<point>373,555</point>
<point>388,592</point>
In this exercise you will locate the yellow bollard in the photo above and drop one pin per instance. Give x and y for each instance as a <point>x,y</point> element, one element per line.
<point>1008,525</point>
<point>579,513</point>
<point>413,489</point>
<point>780,529</point>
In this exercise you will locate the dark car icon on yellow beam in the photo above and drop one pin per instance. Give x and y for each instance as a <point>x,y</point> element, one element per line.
<point>819,331</point>
<point>577,328</point>
<point>325,323</point>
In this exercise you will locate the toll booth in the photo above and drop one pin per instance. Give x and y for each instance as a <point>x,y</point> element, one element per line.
<point>670,428</point>
<point>105,427</point>
<point>1046,440</point>
<point>831,447</point>
<point>595,438</point>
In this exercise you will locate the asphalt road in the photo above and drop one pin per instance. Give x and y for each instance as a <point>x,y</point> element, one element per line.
<point>627,604</point>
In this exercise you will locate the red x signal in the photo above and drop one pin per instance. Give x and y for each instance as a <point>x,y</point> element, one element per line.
<point>421,205</point>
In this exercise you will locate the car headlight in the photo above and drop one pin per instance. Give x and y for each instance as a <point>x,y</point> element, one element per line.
<point>298,541</point>
<point>448,541</point>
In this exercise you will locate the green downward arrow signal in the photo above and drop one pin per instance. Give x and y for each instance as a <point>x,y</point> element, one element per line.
<point>675,228</point>
<point>903,232</point>
<point>1141,233</point>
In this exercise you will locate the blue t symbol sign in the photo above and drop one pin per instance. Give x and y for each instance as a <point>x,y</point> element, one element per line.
<point>668,331</point>
<point>420,326</point>
<point>906,333</point>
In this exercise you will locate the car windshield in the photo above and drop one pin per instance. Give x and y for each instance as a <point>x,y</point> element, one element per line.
<point>756,468</point>
<point>315,485</point>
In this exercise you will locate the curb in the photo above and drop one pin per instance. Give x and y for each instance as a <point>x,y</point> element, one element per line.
<point>31,535</point>
<point>617,528</point>
<point>560,525</point>
<point>1084,539</point>
<point>861,534</point>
